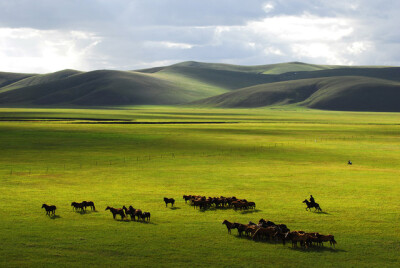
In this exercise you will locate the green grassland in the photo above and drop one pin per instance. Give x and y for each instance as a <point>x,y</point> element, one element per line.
<point>275,157</point>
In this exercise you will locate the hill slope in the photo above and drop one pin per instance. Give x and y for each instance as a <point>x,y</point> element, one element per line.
<point>39,79</point>
<point>316,86</point>
<point>101,88</point>
<point>352,93</point>
<point>9,78</point>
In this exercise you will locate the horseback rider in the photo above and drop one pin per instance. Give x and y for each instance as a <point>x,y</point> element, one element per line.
<point>312,201</point>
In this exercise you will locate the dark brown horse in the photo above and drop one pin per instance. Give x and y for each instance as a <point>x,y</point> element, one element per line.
<point>76,206</point>
<point>229,225</point>
<point>327,238</point>
<point>116,211</point>
<point>130,212</point>
<point>145,216</point>
<point>89,204</point>
<point>169,200</point>
<point>49,209</point>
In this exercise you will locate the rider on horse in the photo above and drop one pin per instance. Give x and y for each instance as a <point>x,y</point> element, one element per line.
<point>312,201</point>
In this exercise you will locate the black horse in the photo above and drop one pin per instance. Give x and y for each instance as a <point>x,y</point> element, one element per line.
<point>89,204</point>
<point>312,205</point>
<point>169,200</point>
<point>49,209</point>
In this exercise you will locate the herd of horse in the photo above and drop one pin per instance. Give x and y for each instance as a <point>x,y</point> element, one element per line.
<point>269,231</point>
<point>264,230</point>
<point>123,212</point>
<point>131,211</point>
<point>202,202</point>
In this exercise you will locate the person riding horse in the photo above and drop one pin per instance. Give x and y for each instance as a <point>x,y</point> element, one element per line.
<point>312,200</point>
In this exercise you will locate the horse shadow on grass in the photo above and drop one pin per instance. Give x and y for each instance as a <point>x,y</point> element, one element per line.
<point>146,222</point>
<point>84,212</point>
<point>53,217</point>
<point>250,211</point>
<point>321,212</point>
<point>317,249</point>
<point>127,220</point>
<point>174,208</point>
<point>272,242</point>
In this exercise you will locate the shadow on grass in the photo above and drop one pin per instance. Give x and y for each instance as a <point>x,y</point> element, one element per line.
<point>300,249</point>
<point>174,208</point>
<point>272,242</point>
<point>53,217</point>
<point>320,212</point>
<point>317,249</point>
<point>251,211</point>
<point>83,212</point>
<point>145,222</point>
<point>126,220</point>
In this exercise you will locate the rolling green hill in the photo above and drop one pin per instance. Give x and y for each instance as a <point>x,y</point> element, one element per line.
<point>39,79</point>
<point>101,88</point>
<point>9,78</point>
<point>224,85</point>
<point>353,93</point>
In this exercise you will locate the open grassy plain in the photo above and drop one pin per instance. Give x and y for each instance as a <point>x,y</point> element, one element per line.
<point>275,157</point>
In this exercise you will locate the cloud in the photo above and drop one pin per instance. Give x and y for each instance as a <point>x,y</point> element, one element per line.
<point>27,50</point>
<point>132,34</point>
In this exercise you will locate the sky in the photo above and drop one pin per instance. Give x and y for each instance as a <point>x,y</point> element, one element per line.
<point>40,36</point>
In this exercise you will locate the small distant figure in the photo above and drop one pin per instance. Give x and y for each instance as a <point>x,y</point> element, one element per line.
<point>349,163</point>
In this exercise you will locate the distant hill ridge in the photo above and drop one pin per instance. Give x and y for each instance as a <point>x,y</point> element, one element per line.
<point>356,88</point>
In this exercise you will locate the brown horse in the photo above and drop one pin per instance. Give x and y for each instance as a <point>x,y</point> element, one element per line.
<point>229,225</point>
<point>49,209</point>
<point>116,211</point>
<point>169,200</point>
<point>327,238</point>
<point>266,233</point>
<point>129,212</point>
